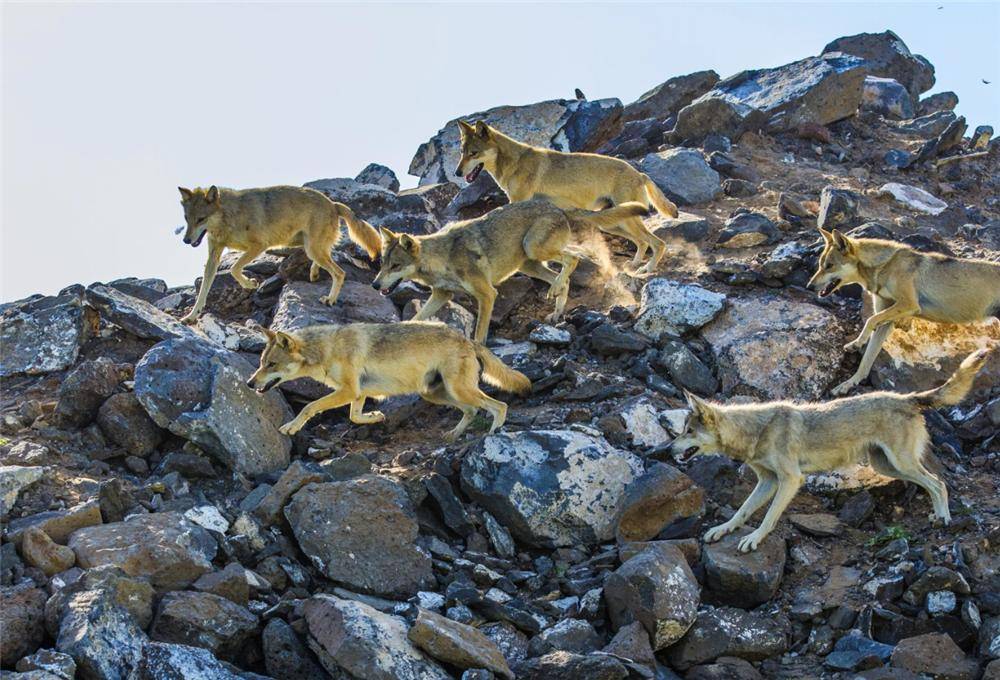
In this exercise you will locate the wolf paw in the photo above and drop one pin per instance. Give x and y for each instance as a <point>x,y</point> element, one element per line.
<point>715,533</point>
<point>842,389</point>
<point>290,428</point>
<point>750,542</point>
<point>189,319</point>
<point>552,318</point>
<point>853,345</point>
<point>939,521</point>
<point>451,436</point>
<point>248,284</point>
<point>328,300</point>
<point>373,417</point>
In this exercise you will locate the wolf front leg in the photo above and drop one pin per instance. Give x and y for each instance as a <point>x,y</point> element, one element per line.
<point>788,486</point>
<point>767,484</point>
<point>336,399</point>
<point>904,306</point>
<point>237,271</point>
<point>211,267</point>
<point>436,301</point>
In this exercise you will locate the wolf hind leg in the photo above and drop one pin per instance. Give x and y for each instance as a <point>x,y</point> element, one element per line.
<point>319,253</point>
<point>905,462</point>
<point>463,388</point>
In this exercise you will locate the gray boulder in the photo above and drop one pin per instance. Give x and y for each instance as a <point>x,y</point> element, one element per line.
<point>198,391</point>
<point>380,205</point>
<point>561,124</point>
<point>40,334</point>
<point>165,661</point>
<point>727,631</point>
<point>740,579</point>
<point>299,306</point>
<point>361,533</point>
<point>660,498</point>
<point>379,175</point>
<point>887,98</point>
<point>13,478</point>
<point>205,620</point>
<point>551,488</point>
<point>85,389</point>
<point>673,307</point>
<point>671,96</point>
<point>748,229</point>
<point>683,175</point>
<point>135,315</point>
<point>940,101</point>
<point>886,55</point>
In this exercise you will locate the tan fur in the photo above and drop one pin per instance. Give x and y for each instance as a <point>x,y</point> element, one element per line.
<point>475,256</point>
<point>783,441</point>
<point>570,180</point>
<point>904,283</point>
<point>373,361</point>
<point>253,220</point>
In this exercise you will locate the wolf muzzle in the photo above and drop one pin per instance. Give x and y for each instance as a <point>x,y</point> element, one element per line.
<point>829,288</point>
<point>197,242</point>
<point>261,390</point>
<point>473,174</point>
<point>389,290</point>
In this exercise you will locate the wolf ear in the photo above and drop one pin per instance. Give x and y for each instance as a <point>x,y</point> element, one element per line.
<point>700,408</point>
<point>409,243</point>
<point>283,340</point>
<point>482,129</point>
<point>186,194</point>
<point>212,195</point>
<point>842,242</point>
<point>827,236</point>
<point>464,127</point>
<point>387,234</point>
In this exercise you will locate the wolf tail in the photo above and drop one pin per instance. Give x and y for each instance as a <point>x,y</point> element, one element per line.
<point>663,205</point>
<point>498,374</point>
<point>957,386</point>
<point>608,217</point>
<point>360,231</point>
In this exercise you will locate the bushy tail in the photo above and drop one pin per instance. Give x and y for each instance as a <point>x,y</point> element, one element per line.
<point>608,217</point>
<point>360,231</point>
<point>957,386</point>
<point>498,374</point>
<point>663,205</point>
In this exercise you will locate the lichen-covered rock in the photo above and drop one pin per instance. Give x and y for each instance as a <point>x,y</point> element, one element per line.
<point>886,55</point>
<point>727,631</point>
<point>350,638</point>
<point>361,533</point>
<point>673,307</point>
<point>135,315</point>
<point>164,661</point>
<point>887,98</point>
<point>40,334</point>
<point>550,487</point>
<point>164,547</point>
<point>58,524</point>
<point>285,656</point>
<point>457,644</point>
<point>13,478</point>
<point>23,629</point>
<point>683,175</point>
<point>204,620</point>
<point>198,391</point>
<point>656,588</point>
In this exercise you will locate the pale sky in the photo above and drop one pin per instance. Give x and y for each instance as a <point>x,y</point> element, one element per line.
<point>107,108</point>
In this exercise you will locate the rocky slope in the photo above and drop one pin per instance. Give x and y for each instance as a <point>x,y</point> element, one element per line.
<point>156,525</point>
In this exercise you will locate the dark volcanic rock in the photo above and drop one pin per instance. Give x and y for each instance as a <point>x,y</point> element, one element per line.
<point>729,632</point>
<point>886,55</point>
<point>286,657</point>
<point>204,620</point>
<point>653,502</point>
<point>743,579</point>
<point>23,628</point>
<point>85,389</point>
<point>125,422</point>
<point>671,96</point>
<point>569,666</point>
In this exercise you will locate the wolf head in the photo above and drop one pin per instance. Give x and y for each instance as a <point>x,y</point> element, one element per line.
<point>479,150</point>
<point>400,259</point>
<point>200,205</point>
<point>838,264</point>
<point>281,360</point>
<point>700,433</point>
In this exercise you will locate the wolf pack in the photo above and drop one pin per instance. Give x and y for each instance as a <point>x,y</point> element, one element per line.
<point>557,200</point>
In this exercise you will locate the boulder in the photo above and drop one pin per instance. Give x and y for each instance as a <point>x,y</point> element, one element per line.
<point>40,551</point>
<point>164,547</point>
<point>104,586</point>
<point>643,424</point>
<point>728,631</point>
<point>85,389</point>
<point>457,644</point>
<point>551,488</point>
<point>854,652</point>
<point>914,198</point>
<point>683,175</point>
<point>935,655</point>
<point>928,126</point>
<point>887,98</point>
<point>58,524</point>
<point>886,55</point>
<point>740,579</point>
<point>748,229</point>
<point>659,499</point>
<point>205,620</point>
<point>380,205</point>
<point>569,635</point>
<point>236,583</point>
<point>14,478</point>
<point>23,628</point>
<point>164,661</point>
<point>569,666</point>
<point>686,370</point>
<point>285,655</point>
<point>299,306</point>
<point>714,114</point>
<point>561,124</point>
<point>838,209</point>
<point>361,533</point>
<point>673,307</point>
<point>819,524</point>
<point>774,347</point>
<point>350,638</point>
<point>940,101</point>
<point>656,588</point>
<point>135,315</point>
<point>374,173</point>
<point>40,334</point>
<point>632,642</point>
<point>671,96</point>
<point>124,422</point>
<point>298,474</point>
<point>48,661</point>
<point>198,391</point>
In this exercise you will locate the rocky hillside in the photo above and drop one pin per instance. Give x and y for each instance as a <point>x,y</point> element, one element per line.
<point>156,525</point>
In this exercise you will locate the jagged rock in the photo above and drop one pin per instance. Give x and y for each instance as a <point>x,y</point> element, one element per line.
<point>105,586</point>
<point>714,114</point>
<point>448,504</point>
<point>887,55</point>
<point>164,547</point>
<point>58,524</point>
<point>855,652</point>
<point>936,655</point>
<point>939,101</point>
<point>235,583</point>
<point>299,306</point>
<point>935,578</point>
<point>550,335</point>
<point>673,307</point>
<point>662,497</point>
<point>285,656</point>
<point>435,196</point>
<point>743,579</point>
<point>49,661</point>
<point>838,209</point>
<point>85,389</point>
<point>564,125</point>
<point>199,392</point>
<point>569,635</point>
<point>729,632</point>
<point>361,533</point>
<point>931,125</point>
<point>124,421</point>
<point>298,474</point>
<point>683,175</point>
<point>857,509</point>
<point>784,260</point>
<point>642,423</point>
<point>818,524</point>
<point>887,98</point>
<point>775,347</point>
<point>748,229</point>
<point>40,551</point>
<point>40,334</point>
<point>656,588</point>
<point>204,620</point>
<point>686,370</point>
<point>380,175</point>
<point>14,478</point>
<point>914,198</point>
<point>136,316</point>
<point>164,661</point>
<point>738,188</point>
<point>671,96</point>
<point>511,642</point>
<point>352,638</point>
<point>457,644</point>
<point>686,226</point>
<point>500,538</point>
<point>23,628</point>
<point>380,205</point>
<point>540,484</point>
<point>632,642</point>
<point>569,666</point>
<point>608,339</point>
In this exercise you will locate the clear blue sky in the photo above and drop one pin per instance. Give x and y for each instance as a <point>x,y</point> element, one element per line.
<point>108,107</point>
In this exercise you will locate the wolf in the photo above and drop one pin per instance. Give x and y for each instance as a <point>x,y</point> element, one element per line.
<point>783,441</point>
<point>253,220</point>
<point>903,283</point>
<point>570,180</point>
<point>476,255</point>
<point>377,360</point>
